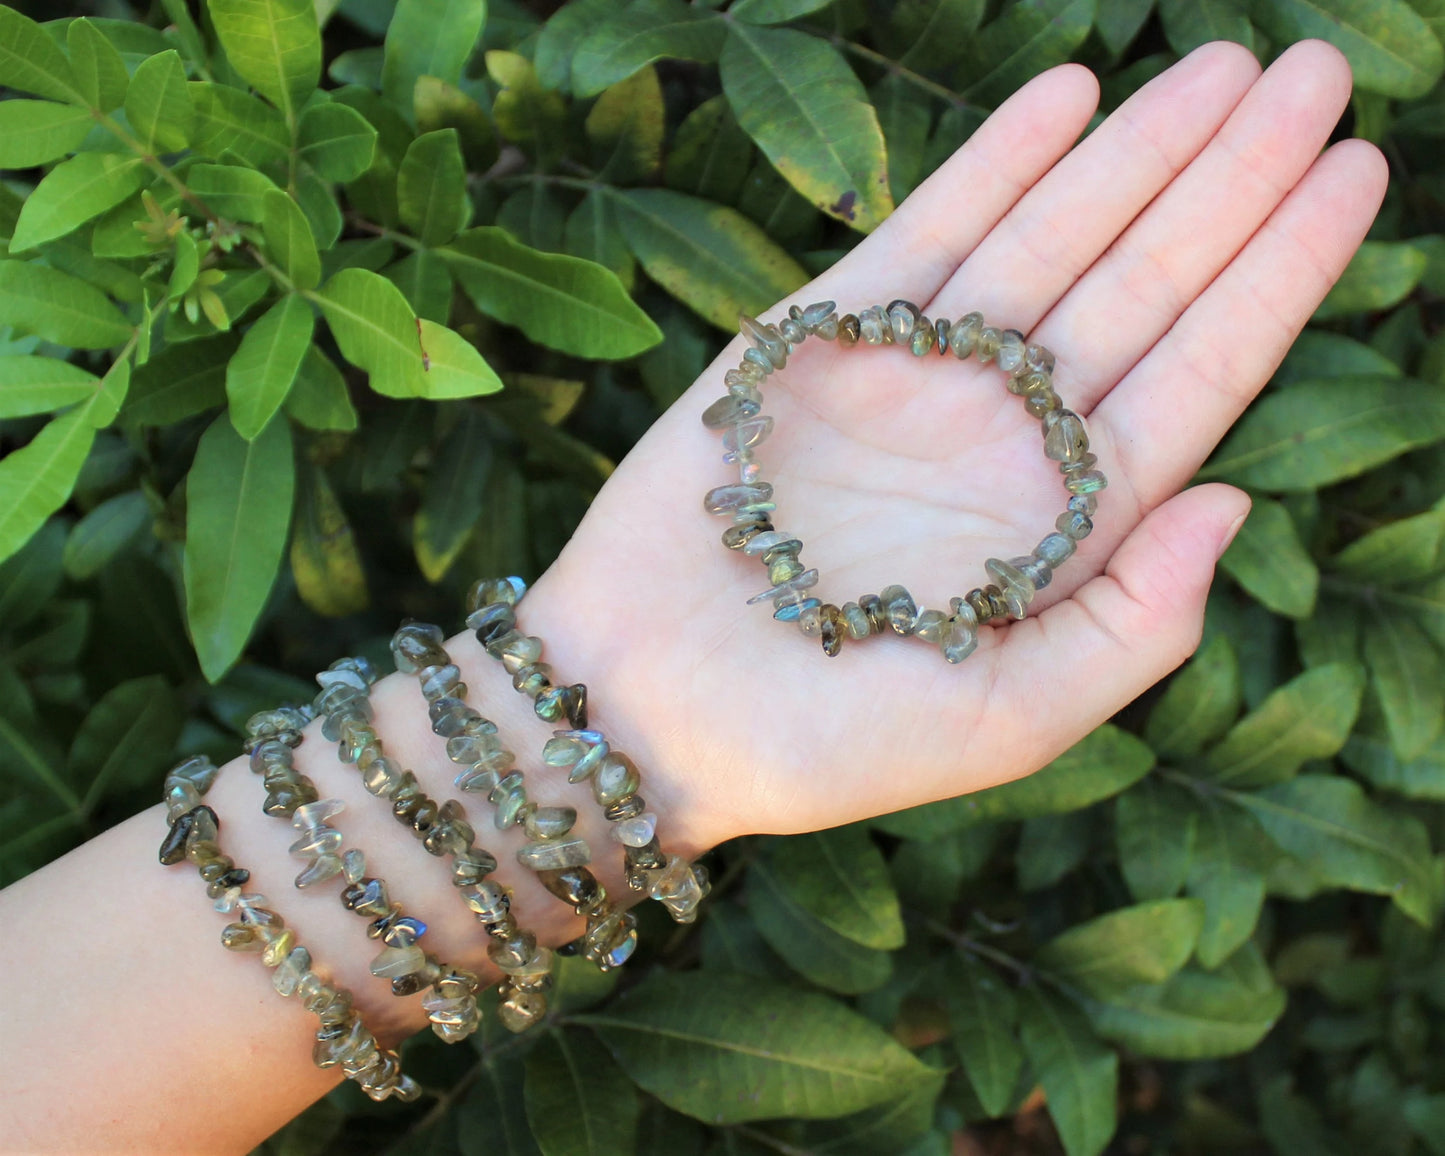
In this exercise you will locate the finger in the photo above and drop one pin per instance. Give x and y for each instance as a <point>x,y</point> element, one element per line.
<point>1165,417</point>
<point>1073,214</point>
<point>1082,660</point>
<point>1166,258</point>
<point>919,246</point>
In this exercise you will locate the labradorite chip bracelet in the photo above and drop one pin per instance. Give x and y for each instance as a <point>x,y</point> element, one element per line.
<point>738,416</point>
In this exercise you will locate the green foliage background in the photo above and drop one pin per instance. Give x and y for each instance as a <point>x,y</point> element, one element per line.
<point>233,231</point>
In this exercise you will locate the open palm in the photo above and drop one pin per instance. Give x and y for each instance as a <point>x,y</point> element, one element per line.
<point>1168,260</point>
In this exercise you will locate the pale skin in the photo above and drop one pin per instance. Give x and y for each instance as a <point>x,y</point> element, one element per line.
<point>1168,259</point>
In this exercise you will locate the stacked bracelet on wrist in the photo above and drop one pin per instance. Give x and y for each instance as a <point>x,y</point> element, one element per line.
<point>342,1040</point>
<point>586,754</point>
<point>558,856</point>
<point>452,1005</point>
<point>738,416</point>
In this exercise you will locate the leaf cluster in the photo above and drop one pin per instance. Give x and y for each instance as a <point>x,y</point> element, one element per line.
<point>311,310</point>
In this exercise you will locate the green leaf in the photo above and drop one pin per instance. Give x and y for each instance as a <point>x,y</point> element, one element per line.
<point>30,578</point>
<point>72,193</point>
<point>1188,24</point>
<point>711,258</point>
<point>231,121</point>
<point>36,132</point>
<point>774,11</point>
<point>803,105</point>
<point>1381,274</point>
<point>104,532</point>
<point>1350,841</point>
<point>579,1102</point>
<point>983,1014</point>
<point>431,187</point>
<point>1154,833</point>
<point>492,1117</point>
<point>1391,50</point>
<point>592,233</point>
<point>1418,778</point>
<point>1052,846</point>
<point>1102,764</point>
<point>452,501</point>
<point>288,236</point>
<point>36,479</point>
<point>438,104</point>
<point>1403,551</point>
<point>1268,559</point>
<point>158,105</point>
<point>1290,1122</point>
<point>1022,41</point>
<point>325,561</point>
<point>525,112</point>
<point>59,308</point>
<point>180,382</point>
<point>730,1048</point>
<point>318,398</point>
<point>34,384</point>
<point>319,205</point>
<point>1409,684</point>
<point>238,509</point>
<point>643,32</point>
<point>567,304</point>
<point>1318,353</point>
<point>260,374</point>
<point>1199,703</point>
<point>1227,875</point>
<point>31,61</point>
<point>710,154</point>
<point>562,34</point>
<point>1080,1076</point>
<point>1146,943</point>
<point>1426,1116</point>
<point>1119,21</point>
<point>376,330</point>
<point>1195,1015</point>
<point>232,191</point>
<point>807,945</point>
<point>425,282</point>
<point>99,71</point>
<point>1318,432</point>
<point>1308,717</point>
<point>336,140</point>
<point>839,876</point>
<point>128,738</point>
<point>428,38</point>
<point>451,365</point>
<point>274,44</point>
<point>625,129</point>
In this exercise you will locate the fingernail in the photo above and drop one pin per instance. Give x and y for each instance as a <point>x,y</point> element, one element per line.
<point>1230,533</point>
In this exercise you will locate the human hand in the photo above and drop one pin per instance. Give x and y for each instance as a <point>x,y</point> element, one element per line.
<point>1169,260</point>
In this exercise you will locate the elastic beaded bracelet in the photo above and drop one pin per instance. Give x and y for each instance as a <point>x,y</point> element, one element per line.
<point>738,416</point>
<point>444,831</point>
<point>342,1040</point>
<point>585,753</point>
<point>471,742</point>
<point>271,738</point>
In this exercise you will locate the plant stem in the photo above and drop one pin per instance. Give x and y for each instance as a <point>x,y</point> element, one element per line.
<point>905,74</point>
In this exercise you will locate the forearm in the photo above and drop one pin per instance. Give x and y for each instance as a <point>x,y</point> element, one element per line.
<point>121,991</point>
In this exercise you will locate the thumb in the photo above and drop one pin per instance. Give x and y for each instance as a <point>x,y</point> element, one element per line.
<point>1126,629</point>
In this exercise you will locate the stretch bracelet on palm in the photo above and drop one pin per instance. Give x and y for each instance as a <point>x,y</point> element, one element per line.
<point>739,417</point>
<point>342,1039</point>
